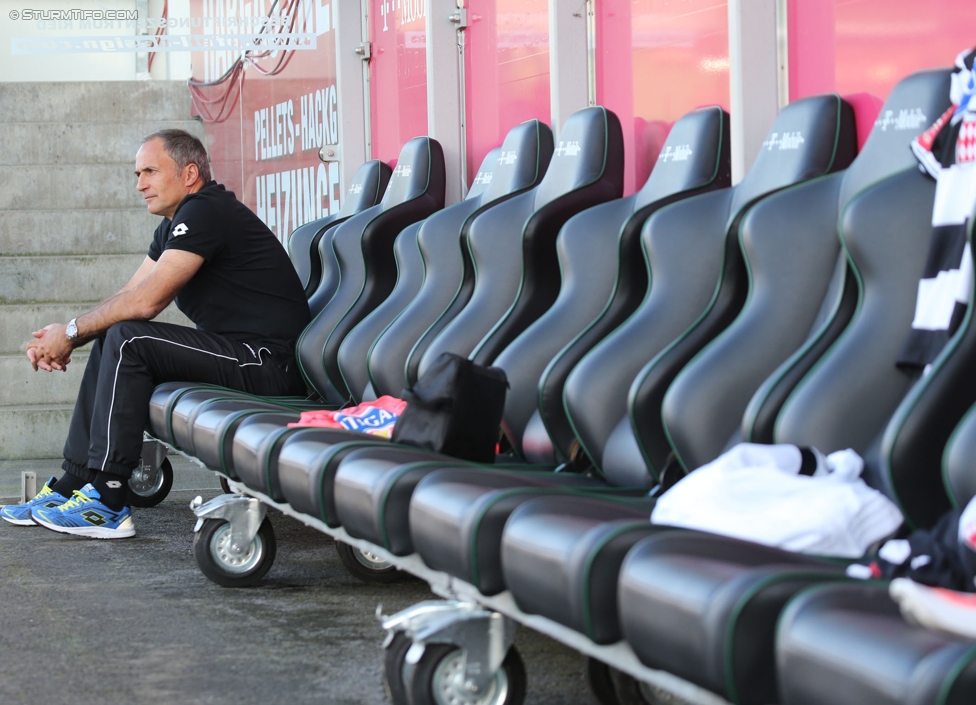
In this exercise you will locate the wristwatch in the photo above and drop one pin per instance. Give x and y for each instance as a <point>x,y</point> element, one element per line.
<point>72,330</point>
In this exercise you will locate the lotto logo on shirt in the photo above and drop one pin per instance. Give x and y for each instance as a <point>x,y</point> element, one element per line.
<point>180,230</point>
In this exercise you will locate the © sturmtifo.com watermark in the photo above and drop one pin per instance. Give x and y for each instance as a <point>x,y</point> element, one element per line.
<point>31,14</point>
<point>238,34</point>
<point>150,43</point>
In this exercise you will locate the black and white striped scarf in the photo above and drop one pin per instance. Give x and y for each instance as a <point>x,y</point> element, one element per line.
<point>947,152</point>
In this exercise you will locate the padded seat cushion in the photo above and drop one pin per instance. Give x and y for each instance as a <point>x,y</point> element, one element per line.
<point>847,644</point>
<point>560,558</point>
<point>373,488</point>
<point>456,517</point>
<point>307,465</point>
<point>705,608</point>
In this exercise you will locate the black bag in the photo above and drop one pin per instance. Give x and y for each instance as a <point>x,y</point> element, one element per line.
<point>455,409</point>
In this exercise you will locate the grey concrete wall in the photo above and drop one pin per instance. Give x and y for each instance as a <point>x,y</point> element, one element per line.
<point>73,229</point>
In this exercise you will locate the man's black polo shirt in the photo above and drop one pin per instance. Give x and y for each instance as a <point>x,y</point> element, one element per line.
<point>247,288</point>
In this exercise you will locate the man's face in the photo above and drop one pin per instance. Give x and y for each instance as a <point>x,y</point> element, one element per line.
<point>159,181</point>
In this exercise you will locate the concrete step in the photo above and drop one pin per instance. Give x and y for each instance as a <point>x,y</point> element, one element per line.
<point>34,431</point>
<point>64,279</point>
<point>70,188</point>
<point>47,143</point>
<point>22,385</point>
<point>90,231</point>
<point>19,320</point>
<point>109,101</point>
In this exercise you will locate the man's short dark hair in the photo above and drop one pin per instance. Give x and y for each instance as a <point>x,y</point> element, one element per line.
<point>184,149</point>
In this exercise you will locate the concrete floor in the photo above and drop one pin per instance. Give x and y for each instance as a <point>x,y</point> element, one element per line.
<point>134,620</point>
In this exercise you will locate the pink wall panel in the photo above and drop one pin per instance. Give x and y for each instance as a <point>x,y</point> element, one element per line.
<point>398,75</point>
<point>656,61</point>
<point>265,148</point>
<point>506,71</point>
<point>861,48</point>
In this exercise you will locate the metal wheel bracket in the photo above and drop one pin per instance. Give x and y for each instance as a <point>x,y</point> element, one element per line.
<point>483,636</point>
<point>152,457</point>
<point>244,514</point>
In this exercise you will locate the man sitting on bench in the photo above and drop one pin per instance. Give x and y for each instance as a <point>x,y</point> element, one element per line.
<point>228,274</point>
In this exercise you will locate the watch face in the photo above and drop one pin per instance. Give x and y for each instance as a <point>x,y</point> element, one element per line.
<point>71,331</point>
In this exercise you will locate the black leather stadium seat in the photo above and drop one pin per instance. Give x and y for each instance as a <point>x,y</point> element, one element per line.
<point>885,227</point>
<point>847,644</point>
<point>687,244</point>
<point>310,245</point>
<point>514,254</point>
<point>596,251</point>
<point>527,151</point>
<point>394,359</point>
<point>364,250</point>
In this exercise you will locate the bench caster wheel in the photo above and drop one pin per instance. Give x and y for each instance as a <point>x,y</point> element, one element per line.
<point>224,565</point>
<point>149,485</point>
<point>438,679</point>
<point>393,659</point>
<point>600,677</point>
<point>631,691</point>
<point>367,567</point>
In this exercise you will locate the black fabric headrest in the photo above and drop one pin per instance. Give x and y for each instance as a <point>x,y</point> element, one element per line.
<point>412,173</point>
<point>580,155</point>
<point>806,140</point>
<point>369,181</point>
<point>914,104</point>
<point>691,156</point>
<point>525,154</point>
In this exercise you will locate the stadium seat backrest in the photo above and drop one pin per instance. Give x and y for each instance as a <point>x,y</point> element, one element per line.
<point>310,245</point>
<point>513,248</point>
<point>851,392</point>
<point>697,285</point>
<point>959,461</point>
<point>366,190</point>
<point>791,248</point>
<point>364,251</point>
<point>594,249</point>
<point>519,164</point>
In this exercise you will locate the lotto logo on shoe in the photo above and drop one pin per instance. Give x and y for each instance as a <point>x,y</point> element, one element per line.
<point>180,230</point>
<point>94,518</point>
<point>966,144</point>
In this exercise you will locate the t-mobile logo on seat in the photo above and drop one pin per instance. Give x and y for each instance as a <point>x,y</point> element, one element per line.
<point>483,177</point>
<point>508,158</point>
<point>569,149</point>
<point>356,189</point>
<point>911,119</point>
<point>402,170</point>
<point>788,140</point>
<point>681,153</point>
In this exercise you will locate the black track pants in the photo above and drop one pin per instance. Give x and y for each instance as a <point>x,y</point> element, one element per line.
<point>130,360</point>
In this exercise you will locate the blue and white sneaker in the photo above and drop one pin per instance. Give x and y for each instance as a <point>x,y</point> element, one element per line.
<point>85,515</point>
<point>20,514</point>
